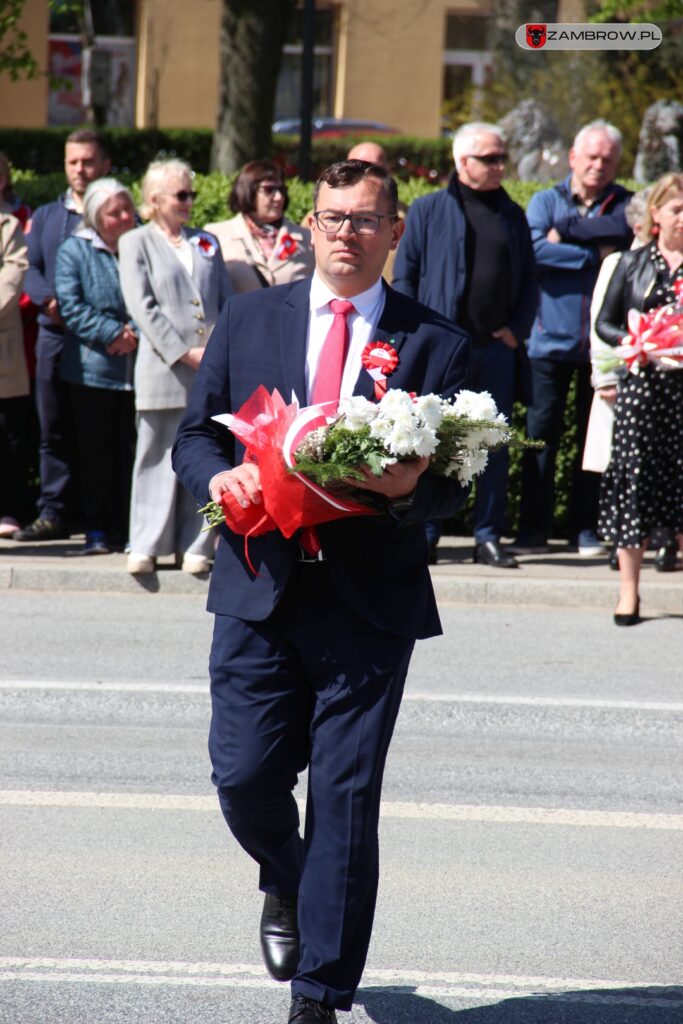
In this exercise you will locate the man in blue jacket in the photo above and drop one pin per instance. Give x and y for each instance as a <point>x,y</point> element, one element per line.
<point>573,226</point>
<point>85,159</point>
<point>310,654</point>
<point>467,253</point>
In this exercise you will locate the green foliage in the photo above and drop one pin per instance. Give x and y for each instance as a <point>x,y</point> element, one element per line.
<point>16,60</point>
<point>653,11</point>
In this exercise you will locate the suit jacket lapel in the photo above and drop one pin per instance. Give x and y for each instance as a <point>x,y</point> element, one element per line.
<point>293,337</point>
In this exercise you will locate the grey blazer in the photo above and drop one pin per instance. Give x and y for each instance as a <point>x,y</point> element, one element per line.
<point>173,311</point>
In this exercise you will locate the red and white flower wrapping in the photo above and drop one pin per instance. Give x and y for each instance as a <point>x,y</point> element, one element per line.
<point>271,431</point>
<point>655,337</point>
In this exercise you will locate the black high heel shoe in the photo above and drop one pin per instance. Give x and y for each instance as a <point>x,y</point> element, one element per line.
<point>630,619</point>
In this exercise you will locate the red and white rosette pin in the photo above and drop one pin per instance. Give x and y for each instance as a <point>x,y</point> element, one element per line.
<point>380,359</point>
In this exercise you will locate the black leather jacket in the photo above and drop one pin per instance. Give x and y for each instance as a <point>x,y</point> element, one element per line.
<point>630,284</point>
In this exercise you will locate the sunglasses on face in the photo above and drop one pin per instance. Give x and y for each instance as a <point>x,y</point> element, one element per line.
<point>270,190</point>
<point>182,196</point>
<point>490,159</point>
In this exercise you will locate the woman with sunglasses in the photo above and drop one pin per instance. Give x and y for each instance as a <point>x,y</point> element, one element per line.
<point>174,284</point>
<point>260,246</point>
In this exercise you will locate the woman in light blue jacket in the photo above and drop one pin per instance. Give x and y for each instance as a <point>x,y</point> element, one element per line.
<point>97,361</point>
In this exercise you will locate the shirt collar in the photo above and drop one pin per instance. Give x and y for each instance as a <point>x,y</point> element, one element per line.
<point>364,303</point>
<point>69,201</point>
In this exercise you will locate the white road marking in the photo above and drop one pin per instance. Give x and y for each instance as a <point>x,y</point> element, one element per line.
<point>572,817</point>
<point>202,689</point>
<point>444,984</point>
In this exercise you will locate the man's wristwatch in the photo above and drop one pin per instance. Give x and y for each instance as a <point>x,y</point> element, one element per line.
<point>399,506</point>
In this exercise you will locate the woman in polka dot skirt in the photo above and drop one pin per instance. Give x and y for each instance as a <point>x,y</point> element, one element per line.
<point>642,487</point>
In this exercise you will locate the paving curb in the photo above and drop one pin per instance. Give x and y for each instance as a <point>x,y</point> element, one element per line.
<point>565,585</point>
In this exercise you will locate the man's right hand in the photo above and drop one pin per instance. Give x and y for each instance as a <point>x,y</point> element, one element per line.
<point>243,482</point>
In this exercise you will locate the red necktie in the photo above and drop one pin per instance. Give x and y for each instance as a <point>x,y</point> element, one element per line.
<point>328,377</point>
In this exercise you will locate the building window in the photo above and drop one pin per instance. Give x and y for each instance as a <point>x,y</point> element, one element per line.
<point>114,65</point>
<point>288,94</point>
<point>467,59</point>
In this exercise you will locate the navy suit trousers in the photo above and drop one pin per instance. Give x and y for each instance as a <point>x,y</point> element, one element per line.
<point>317,686</point>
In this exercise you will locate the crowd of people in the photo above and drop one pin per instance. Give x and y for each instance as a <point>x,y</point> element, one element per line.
<point>126,301</point>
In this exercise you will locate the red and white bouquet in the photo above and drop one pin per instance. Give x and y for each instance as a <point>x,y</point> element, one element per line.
<point>309,458</point>
<point>655,337</point>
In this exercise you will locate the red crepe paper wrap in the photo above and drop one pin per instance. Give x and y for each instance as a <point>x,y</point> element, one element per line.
<point>271,431</point>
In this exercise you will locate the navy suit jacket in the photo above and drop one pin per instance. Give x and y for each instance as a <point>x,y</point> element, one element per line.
<point>378,563</point>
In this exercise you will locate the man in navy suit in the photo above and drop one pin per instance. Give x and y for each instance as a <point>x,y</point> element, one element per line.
<point>310,655</point>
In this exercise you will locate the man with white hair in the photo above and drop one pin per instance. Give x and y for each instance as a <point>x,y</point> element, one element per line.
<point>574,225</point>
<point>467,253</point>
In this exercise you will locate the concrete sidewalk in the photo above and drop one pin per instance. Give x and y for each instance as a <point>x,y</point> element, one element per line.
<point>557,579</point>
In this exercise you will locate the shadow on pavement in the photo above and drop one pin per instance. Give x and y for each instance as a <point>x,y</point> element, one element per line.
<point>661,1005</point>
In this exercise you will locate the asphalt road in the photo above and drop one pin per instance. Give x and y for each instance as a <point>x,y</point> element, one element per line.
<point>531,833</point>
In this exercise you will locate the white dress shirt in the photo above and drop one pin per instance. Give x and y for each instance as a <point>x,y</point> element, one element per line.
<point>362,325</point>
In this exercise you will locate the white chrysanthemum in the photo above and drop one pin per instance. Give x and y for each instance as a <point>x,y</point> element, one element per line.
<point>394,401</point>
<point>401,441</point>
<point>357,411</point>
<point>425,442</point>
<point>471,464</point>
<point>475,405</point>
<point>431,409</point>
<point>381,428</point>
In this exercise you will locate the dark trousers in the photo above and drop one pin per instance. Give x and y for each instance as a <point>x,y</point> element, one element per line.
<point>545,419</point>
<point>492,369</point>
<point>314,685</point>
<point>105,441</point>
<point>58,489</point>
<point>18,448</point>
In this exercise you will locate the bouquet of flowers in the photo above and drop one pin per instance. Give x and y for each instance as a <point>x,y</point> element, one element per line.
<point>654,337</point>
<point>457,435</point>
<point>309,458</point>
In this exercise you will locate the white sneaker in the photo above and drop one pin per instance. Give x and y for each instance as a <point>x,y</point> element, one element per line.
<point>196,564</point>
<point>138,564</point>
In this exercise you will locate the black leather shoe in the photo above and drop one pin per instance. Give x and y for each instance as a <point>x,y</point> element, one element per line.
<point>280,936</point>
<point>666,559</point>
<point>43,529</point>
<point>491,553</point>
<point>309,1011</point>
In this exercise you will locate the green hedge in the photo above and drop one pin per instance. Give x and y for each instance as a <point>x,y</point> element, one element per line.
<point>131,150</point>
<point>211,205</point>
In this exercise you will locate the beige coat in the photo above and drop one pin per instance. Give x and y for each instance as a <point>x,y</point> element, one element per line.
<point>14,380</point>
<point>244,259</point>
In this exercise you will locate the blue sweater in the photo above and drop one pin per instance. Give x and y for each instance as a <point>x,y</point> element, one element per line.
<point>569,269</point>
<point>91,303</point>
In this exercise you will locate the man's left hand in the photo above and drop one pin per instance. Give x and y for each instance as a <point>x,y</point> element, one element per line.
<point>397,481</point>
<point>506,336</point>
<point>554,236</point>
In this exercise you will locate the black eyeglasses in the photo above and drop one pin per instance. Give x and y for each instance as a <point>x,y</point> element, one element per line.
<point>270,190</point>
<point>490,159</point>
<point>182,196</point>
<point>361,223</point>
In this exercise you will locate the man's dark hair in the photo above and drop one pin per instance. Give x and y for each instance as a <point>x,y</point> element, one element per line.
<point>242,198</point>
<point>87,136</point>
<point>346,173</point>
